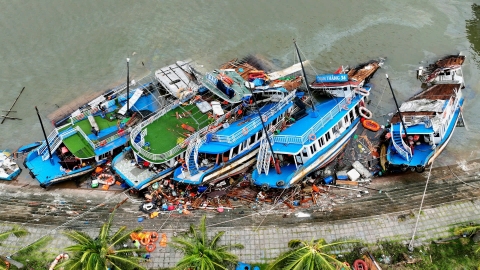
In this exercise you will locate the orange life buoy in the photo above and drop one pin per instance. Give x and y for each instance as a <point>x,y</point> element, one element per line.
<point>312,137</point>
<point>365,113</point>
<point>360,265</point>
<point>150,247</point>
<point>349,100</point>
<point>245,131</point>
<point>145,240</point>
<point>153,237</point>
<point>103,143</point>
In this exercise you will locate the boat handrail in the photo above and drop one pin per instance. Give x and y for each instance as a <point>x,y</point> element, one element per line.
<point>51,137</point>
<point>85,137</point>
<point>255,122</point>
<point>301,139</point>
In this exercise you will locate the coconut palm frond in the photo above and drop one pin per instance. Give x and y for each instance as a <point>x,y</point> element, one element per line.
<point>40,243</point>
<point>15,230</point>
<point>203,230</point>
<point>125,262</point>
<point>294,243</point>
<point>78,237</point>
<point>215,239</point>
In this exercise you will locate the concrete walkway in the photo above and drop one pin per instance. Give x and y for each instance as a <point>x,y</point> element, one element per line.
<point>452,199</point>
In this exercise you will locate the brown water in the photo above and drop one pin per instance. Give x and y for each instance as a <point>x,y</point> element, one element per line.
<point>62,50</point>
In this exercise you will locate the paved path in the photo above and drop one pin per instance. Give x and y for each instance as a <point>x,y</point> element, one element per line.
<point>452,199</point>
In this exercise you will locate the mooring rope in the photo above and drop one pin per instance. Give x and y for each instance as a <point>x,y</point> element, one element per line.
<point>410,245</point>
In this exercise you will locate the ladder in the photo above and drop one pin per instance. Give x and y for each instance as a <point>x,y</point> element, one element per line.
<point>191,154</point>
<point>402,148</point>
<point>264,156</point>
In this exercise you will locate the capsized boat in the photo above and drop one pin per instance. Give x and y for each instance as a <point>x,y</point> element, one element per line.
<point>423,125</point>
<point>345,78</point>
<point>9,170</point>
<point>94,132</point>
<point>319,133</point>
<point>228,81</point>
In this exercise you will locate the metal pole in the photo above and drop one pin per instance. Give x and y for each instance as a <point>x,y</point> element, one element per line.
<point>304,75</point>
<point>128,87</point>
<point>44,134</point>
<point>396,104</point>
<point>264,128</point>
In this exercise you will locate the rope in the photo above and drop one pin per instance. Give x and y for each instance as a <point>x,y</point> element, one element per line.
<point>410,245</point>
<point>470,185</point>
<point>70,221</point>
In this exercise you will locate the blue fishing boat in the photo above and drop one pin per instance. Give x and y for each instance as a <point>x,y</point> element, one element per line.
<point>157,144</point>
<point>345,78</point>
<point>28,147</point>
<point>94,133</point>
<point>233,149</point>
<point>9,170</point>
<point>315,138</point>
<point>423,125</point>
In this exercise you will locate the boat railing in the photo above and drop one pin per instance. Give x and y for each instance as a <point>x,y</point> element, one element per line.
<point>112,138</point>
<point>399,144</point>
<point>252,124</point>
<point>51,137</point>
<point>301,139</point>
<point>85,137</point>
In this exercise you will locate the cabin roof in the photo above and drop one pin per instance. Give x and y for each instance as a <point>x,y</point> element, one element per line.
<point>439,91</point>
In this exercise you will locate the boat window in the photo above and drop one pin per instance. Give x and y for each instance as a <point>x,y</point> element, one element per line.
<point>304,152</point>
<point>357,109</point>
<point>252,139</point>
<point>327,136</point>
<point>299,159</point>
<point>313,148</point>
<point>351,116</point>
<point>321,141</point>
<point>340,125</point>
<point>234,151</point>
<point>245,145</point>
<point>345,119</point>
<point>447,73</point>
<point>344,88</point>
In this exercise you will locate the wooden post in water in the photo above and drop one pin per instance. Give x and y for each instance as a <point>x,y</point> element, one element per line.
<point>5,116</point>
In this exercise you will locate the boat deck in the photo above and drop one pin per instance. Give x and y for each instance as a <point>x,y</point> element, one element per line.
<point>166,132</point>
<point>132,174</point>
<point>363,72</point>
<point>302,125</point>
<point>215,147</point>
<point>449,61</point>
<point>420,155</point>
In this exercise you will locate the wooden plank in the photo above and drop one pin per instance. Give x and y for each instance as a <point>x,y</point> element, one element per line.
<point>346,182</point>
<point>5,116</point>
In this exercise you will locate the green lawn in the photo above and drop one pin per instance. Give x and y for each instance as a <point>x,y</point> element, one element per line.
<point>101,122</point>
<point>165,131</point>
<point>79,146</point>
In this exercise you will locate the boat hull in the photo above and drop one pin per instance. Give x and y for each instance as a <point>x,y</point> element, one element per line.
<point>431,155</point>
<point>313,164</point>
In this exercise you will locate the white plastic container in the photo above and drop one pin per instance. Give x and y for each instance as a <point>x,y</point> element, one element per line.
<point>353,175</point>
<point>364,172</point>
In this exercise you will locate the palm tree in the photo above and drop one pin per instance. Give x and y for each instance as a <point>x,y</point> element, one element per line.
<point>308,255</point>
<point>18,232</point>
<point>105,251</point>
<point>202,253</point>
